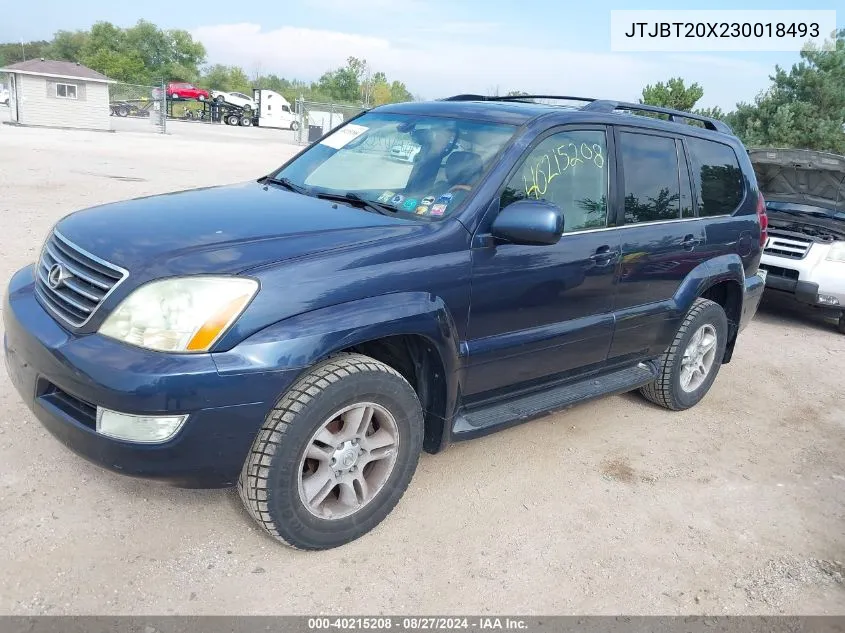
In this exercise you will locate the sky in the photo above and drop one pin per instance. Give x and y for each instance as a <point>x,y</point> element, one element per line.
<point>437,47</point>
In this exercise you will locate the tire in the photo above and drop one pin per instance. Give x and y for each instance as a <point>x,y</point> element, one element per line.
<point>246,121</point>
<point>219,99</point>
<point>123,111</point>
<point>294,126</point>
<point>842,323</point>
<point>705,317</point>
<point>233,119</point>
<point>273,482</point>
<point>200,98</point>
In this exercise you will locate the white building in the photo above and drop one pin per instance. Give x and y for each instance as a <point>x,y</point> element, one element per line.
<point>58,94</point>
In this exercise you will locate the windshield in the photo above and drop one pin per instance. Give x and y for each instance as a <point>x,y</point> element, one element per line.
<point>412,165</point>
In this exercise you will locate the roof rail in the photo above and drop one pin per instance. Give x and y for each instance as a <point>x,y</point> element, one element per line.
<point>471,97</point>
<point>604,105</point>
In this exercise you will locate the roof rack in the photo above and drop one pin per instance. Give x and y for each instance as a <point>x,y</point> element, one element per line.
<point>606,105</point>
<point>471,97</point>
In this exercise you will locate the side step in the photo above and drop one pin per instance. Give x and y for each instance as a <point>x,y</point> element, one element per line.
<point>502,414</point>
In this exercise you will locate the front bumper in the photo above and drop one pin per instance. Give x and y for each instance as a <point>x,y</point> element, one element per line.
<point>62,378</point>
<point>806,279</point>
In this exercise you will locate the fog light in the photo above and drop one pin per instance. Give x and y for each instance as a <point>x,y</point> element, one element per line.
<point>148,429</point>
<point>828,300</point>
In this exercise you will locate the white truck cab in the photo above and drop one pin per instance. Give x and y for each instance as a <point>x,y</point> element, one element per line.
<point>274,110</point>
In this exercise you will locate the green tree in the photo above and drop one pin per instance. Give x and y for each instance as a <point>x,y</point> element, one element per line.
<point>672,94</point>
<point>66,45</point>
<point>12,52</point>
<point>228,79</point>
<point>803,108</point>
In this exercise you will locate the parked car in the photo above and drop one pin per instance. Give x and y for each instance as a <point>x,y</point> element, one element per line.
<point>405,152</point>
<point>182,90</point>
<point>306,335</point>
<point>234,98</point>
<point>805,201</point>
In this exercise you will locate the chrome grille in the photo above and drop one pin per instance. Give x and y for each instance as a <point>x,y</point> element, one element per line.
<point>71,282</point>
<point>787,245</point>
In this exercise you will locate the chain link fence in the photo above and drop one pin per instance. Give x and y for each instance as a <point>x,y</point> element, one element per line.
<point>316,118</point>
<point>139,102</point>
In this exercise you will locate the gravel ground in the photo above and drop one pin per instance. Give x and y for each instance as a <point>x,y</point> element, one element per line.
<point>617,506</point>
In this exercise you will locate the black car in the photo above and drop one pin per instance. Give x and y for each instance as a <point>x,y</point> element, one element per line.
<point>307,334</point>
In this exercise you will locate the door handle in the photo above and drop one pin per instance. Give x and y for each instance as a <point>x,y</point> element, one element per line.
<point>690,242</point>
<point>603,255</point>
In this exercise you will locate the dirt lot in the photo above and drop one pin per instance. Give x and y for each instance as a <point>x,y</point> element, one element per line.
<point>736,506</point>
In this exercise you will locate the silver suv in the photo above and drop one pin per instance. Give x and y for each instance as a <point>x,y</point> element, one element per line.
<point>804,255</point>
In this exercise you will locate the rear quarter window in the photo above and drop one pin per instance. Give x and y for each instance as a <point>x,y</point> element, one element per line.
<point>717,177</point>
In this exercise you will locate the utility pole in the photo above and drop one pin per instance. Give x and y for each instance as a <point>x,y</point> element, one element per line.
<point>23,52</point>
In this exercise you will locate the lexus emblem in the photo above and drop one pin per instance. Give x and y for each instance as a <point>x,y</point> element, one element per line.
<point>57,275</point>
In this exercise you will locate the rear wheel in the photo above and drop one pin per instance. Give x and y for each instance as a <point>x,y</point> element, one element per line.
<point>233,119</point>
<point>294,126</point>
<point>690,365</point>
<point>335,455</point>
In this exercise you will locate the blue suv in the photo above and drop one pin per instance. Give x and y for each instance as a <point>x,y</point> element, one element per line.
<point>306,335</point>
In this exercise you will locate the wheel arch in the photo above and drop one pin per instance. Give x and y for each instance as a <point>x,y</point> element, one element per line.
<point>721,280</point>
<point>413,332</point>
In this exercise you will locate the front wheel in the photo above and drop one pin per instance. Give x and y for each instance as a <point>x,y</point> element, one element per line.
<point>294,126</point>
<point>335,455</point>
<point>690,365</point>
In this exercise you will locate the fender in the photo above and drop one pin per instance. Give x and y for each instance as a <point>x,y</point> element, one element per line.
<point>300,341</point>
<point>706,275</point>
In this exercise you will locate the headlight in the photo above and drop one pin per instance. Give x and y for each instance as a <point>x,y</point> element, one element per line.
<point>836,252</point>
<point>183,314</point>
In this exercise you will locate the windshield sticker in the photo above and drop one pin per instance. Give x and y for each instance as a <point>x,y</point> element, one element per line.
<point>446,198</point>
<point>554,163</point>
<point>438,209</point>
<point>397,199</point>
<point>344,135</point>
<point>429,200</point>
<point>410,204</point>
<point>386,196</point>
<point>422,209</point>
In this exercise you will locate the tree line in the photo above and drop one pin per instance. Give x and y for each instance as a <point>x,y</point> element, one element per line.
<point>145,54</point>
<point>803,107</point>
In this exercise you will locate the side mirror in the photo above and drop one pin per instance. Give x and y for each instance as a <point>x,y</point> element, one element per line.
<point>529,222</point>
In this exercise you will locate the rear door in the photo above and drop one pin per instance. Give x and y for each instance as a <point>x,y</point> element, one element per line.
<point>661,240</point>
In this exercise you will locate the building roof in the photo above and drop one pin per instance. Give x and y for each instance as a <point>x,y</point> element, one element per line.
<point>52,68</point>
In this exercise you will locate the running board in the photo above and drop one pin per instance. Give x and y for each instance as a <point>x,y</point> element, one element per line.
<point>493,417</point>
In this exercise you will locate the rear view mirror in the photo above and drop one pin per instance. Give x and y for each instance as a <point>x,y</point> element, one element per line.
<point>529,222</point>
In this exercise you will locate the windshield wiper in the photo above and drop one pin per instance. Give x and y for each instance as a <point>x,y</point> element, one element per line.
<point>286,183</point>
<point>358,201</point>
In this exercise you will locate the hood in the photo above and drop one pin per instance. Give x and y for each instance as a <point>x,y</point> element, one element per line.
<point>800,176</point>
<point>224,229</point>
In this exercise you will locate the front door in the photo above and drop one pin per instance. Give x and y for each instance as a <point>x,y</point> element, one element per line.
<point>539,311</point>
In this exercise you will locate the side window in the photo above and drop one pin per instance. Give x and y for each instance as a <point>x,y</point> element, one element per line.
<point>652,180</point>
<point>717,177</point>
<point>569,169</point>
